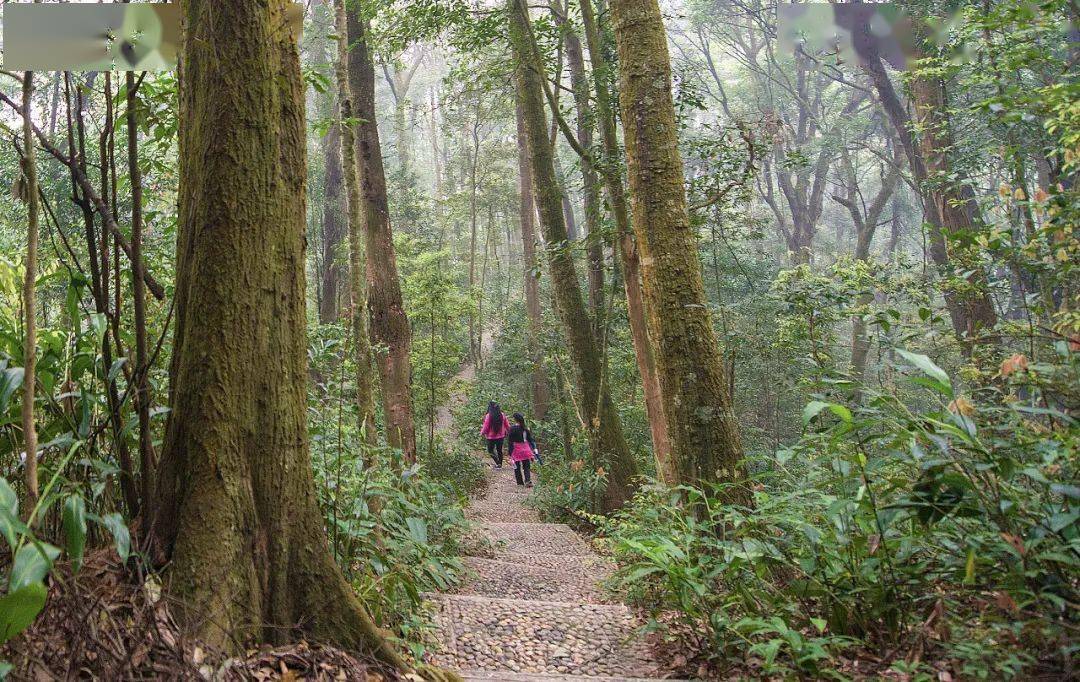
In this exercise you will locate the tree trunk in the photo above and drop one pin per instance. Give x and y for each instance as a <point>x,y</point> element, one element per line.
<point>333,229</point>
<point>527,213</point>
<point>138,295</point>
<point>606,439</point>
<point>946,208</point>
<point>705,441</point>
<point>627,248</point>
<point>594,245</point>
<point>358,295</point>
<point>390,331</point>
<point>28,294</point>
<point>238,518</point>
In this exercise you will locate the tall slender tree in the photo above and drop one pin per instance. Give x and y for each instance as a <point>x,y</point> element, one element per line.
<point>626,247</point>
<point>354,204</point>
<point>29,168</point>
<point>390,332</point>
<point>705,440</point>
<point>527,217</point>
<point>606,438</point>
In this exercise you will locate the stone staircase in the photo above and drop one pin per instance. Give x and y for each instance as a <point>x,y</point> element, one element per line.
<point>531,609</point>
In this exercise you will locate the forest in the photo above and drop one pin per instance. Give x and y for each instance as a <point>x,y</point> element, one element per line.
<point>792,326</point>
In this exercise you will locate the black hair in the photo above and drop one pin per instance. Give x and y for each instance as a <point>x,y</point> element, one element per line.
<point>494,411</point>
<point>520,419</point>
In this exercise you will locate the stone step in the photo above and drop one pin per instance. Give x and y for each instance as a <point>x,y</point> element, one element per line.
<point>502,676</point>
<point>533,538</point>
<point>501,509</point>
<point>571,582</point>
<point>538,637</point>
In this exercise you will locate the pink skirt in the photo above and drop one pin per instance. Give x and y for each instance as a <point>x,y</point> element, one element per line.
<point>521,452</point>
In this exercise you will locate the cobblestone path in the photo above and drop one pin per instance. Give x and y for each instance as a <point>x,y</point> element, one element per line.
<point>530,610</point>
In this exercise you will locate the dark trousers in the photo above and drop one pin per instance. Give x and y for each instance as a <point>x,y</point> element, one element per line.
<point>522,472</point>
<point>495,450</point>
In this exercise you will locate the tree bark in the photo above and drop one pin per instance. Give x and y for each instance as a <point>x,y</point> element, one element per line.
<point>333,228</point>
<point>594,245</point>
<point>606,439</point>
<point>705,442</point>
<point>354,204</point>
<point>29,295</point>
<point>390,332</point>
<point>611,171</point>
<point>138,291</point>
<point>527,213</point>
<point>238,519</point>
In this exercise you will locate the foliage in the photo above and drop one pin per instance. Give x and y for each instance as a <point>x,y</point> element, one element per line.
<point>952,528</point>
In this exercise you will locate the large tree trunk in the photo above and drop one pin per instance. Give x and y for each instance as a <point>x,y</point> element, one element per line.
<point>358,297</point>
<point>527,214</point>
<point>390,330</point>
<point>238,519</point>
<point>606,439</point>
<point>705,441</point>
<point>627,248</point>
<point>947,206</point>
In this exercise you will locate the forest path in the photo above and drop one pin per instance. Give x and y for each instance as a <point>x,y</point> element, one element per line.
<point>530,608</point>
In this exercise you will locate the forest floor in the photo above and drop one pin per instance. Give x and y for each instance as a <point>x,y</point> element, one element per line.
<point>531,607</point>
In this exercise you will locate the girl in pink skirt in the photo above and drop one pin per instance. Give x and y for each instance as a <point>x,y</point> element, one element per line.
<point>522,447</point>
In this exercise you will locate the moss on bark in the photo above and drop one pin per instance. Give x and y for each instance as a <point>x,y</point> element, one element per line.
<point>607,442</point>
<point>704,437</point>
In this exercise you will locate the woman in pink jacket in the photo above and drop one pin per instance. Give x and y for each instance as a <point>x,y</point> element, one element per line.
<point>522,447</point>
<point>495,427</point>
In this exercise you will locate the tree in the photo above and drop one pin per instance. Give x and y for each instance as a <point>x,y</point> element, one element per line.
<point>390,332</point>
<point>948,206</point>
<point>705,443</point>
<point>526,218</point>
<point>606,440</point>
<point>238,520</point>
<point>29,298</point>
<point>358,295</point>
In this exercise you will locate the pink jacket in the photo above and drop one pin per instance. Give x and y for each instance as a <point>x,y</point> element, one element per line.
<point>494,432</point>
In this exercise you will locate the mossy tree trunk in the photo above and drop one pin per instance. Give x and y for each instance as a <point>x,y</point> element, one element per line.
<point>237,518</point>
<point>390,332</point>
<point>358,298</point>
<point>527,216</point>
<point>629,261</point>
<point>606,439</point>
<point>705,443</point>
<point>333,228</point>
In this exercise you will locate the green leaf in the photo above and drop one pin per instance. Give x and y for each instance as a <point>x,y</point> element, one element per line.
<point>417,530</point>
<point>75,528</point>
<point>115,369</point>
<point>9,501</point>
<point>10,379</point>
<point>927,366</point>
<point>819,623</point>
<point>98,323</point>
<point>5,668</point>
<point>18,609</point>
<point>32,564</point>
<point>1066,489</point>
<point>115,523</point>
<point>812,410</point>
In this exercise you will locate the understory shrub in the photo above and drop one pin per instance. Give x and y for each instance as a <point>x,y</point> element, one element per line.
<point>938,538</point>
